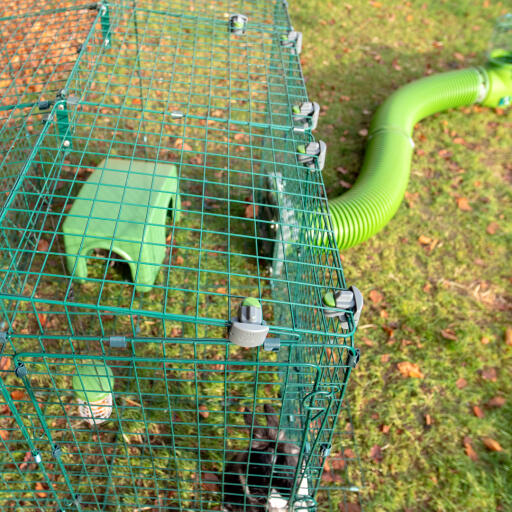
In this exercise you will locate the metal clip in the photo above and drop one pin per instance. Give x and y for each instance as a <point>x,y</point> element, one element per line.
<point>3,338</point>
<point>305,116</point>
<point>271,344</point>
<point>350,300</point>
<point>21,370</point>
<point>250,329</point>
<point>353,358</point>
<point>105,24</point>
<point>292,40</point>
<point>238,24</point>
<point>312,155</point>
<point>57,451</point>
<point>117,341</point>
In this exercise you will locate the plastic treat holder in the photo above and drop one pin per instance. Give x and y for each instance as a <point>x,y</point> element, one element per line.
<point>93,385</point>
<point>163,218</point>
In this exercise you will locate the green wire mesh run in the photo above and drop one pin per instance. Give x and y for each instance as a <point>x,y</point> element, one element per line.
<point>171,143</point>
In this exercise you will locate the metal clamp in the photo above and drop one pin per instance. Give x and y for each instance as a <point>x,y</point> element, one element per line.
<point>238,24</point>
<point>350,300</point>
<point>292,40</point>
<point>271,344</point>
<point>117,341</point>
<point>312,155</point>
<point>305,116</point>
<point>249,330</point>
<point>21,370</point>
<point>353,358</point>
<point>105,24</point>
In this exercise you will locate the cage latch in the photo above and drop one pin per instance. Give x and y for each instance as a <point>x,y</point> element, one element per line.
<point>249,330</point>
<point>305,116</point>
<point>238,24</point>
<point>312,155</point>
<point>292,40</point>
<point>341,302</point>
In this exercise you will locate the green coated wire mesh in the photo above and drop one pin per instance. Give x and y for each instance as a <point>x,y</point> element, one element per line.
<point>151,181</point>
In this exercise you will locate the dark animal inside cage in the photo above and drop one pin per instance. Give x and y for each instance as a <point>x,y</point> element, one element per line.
<point>269,464</point>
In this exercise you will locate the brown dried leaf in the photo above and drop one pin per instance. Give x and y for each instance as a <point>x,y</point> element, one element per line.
<point>376,453</point>
<point>4,434</point>
<point>477,411</point>
<point>428,420</point>
<point>179,260</point>
<point>43,245</point>
<point>385,428</point>
<point>424,240</point>
<point>489,373</point>
<point>463,204</point>
<point>491,444</point>
<point>449,334</point>
<point>469,450</point>
<point>40,488</point>
<point>17,394</point>
<point>408,369</point>
<point>348,453</point>
<point>508,336</point>
<point>375,296</point>
<point>492,227</point>
<point>497,401</point>
<point>485,340</point>
<point>251,211</point>
<point>5,363</point>
<point>203,411</point>
<point>461,383</point>
<point>222,290</point>
<point>384,358</point>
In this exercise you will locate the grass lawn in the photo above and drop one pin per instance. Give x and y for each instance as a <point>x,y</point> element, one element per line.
<point>437,279</point>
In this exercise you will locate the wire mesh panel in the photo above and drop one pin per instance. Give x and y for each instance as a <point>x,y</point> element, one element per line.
<point>165,196</point>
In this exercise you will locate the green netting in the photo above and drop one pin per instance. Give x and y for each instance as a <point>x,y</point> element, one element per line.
<point>179,135</point>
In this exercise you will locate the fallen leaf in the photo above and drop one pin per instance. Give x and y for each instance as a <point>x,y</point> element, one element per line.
<point>222,290</point>
<point>449,334</point>
<point>203,411</point>
<point>458,140</point>
<point>5,363</point>
<point>363,132</point>
<point>43,245</point>
<point>251,211</point>
<point>492,227</point>
<point>40,488</point>
<point>508,336</point>
<point>375,296</point>
<point>181,144</point>
<point>497,401</point>
<point>385,428</point>
<point>376,453</point>
<point>408,369</point>
<point>384,358</point>
<point>424,240</point>
<point>179,260</point>
<point>489,373</point>
<point>459,56</point>
<point>348,453</point>
<point>4,434</point>
<point>477,411</point>
<point>469,450</point>
<point>42,319</point>
<point>463,204</point>
<point>485,340</point>
<point>461,383</point>
<point>17,394</point>
<point>428,420</point>
<point>26,458</point>
<point>395,65</point>
<point>491,444</point>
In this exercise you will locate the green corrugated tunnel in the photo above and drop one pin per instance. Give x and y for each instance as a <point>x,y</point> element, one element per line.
<point>380,187</point>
